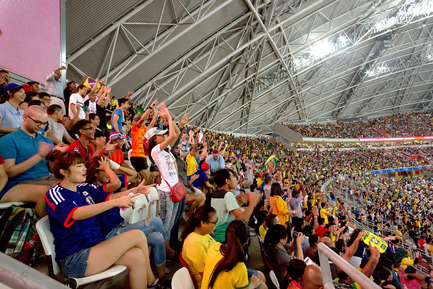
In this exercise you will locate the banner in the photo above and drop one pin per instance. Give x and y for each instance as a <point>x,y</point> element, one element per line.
<point>375,241</point>
<point>89,82</point>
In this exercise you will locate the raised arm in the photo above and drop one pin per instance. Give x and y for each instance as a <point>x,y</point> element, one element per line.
<point>246,214</point>
<point>172,136</point>
<point>114,183</point>
<point>155,116</point>
<point>147,113</point>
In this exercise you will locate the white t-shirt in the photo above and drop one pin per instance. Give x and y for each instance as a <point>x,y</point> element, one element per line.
<point>56,129</point>
<point>166,163</point>
<point>92,106</point>
<point>74,99</point>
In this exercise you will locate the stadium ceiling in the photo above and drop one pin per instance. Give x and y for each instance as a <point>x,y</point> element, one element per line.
<point>241,65</point>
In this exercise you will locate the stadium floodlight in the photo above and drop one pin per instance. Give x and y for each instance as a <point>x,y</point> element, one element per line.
<point>322,49</point>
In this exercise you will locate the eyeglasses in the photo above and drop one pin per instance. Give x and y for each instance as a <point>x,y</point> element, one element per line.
<point>37,122</point>
<point>89,128</point>
<point>213,222</point>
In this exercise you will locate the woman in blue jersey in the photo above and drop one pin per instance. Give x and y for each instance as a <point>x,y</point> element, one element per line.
<point>113,223</point>
<point>74,209</point>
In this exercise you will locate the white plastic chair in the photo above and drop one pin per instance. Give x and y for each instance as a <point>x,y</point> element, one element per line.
<point>136,213</point>
<point>128,161</point>
<point>7,205</point>
<point>153,203</point>
<point>274,279</point>
<point>47,240</point>
<point>182,280</point>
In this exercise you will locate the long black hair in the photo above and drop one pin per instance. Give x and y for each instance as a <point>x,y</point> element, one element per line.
<point>201,214</point>
<point>274,235</point>
<point>237,234</point>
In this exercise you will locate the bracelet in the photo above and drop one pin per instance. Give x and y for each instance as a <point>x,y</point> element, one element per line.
<point>150,108</point>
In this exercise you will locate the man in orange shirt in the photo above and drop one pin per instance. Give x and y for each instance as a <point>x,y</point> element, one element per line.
<point>138,153</point>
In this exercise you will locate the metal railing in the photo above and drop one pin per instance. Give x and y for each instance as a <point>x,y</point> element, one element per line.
<point>367,225</point>
<point>326,255</point>
<point>18,275</point>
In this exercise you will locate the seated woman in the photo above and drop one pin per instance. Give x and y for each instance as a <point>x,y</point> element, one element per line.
<point>74,209</point>
<point>225,263</point>
<point>276,238</point>
<point>100,173</point>
<point>295,270</point>
<point>197,239</point>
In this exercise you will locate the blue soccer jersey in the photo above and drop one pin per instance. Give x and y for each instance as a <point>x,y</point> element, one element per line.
<point>111,219</point>
<point>71,236</point>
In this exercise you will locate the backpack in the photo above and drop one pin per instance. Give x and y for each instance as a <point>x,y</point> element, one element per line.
<point>18,235</point>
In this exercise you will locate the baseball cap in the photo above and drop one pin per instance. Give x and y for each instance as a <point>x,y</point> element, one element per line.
<point>116,135</point>
<point>10,86</point>
<point>154,131</point>
<point>204,166</point>
<point>26,87</point>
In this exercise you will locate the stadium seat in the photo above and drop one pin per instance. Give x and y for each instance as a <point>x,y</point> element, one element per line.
<point>7,205</point>
<point>137,212</point>
<point>153,203</point>
<point>274,279</point>
<point>47,239</point>
<point>182,279</point>
<point>128,160</point>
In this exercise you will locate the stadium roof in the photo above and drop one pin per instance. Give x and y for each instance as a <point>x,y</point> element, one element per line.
<point>241,65</point>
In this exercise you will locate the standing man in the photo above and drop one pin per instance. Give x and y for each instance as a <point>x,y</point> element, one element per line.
<point>138,153</point>
<point>215,161</point>
<point>69,89</point>
<point>54,87</point>
<point>77,100</point>
<point>119,115</point>
<point>34,86</point>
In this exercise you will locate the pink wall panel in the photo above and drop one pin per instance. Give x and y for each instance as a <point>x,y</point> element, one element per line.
<point>30,40</point>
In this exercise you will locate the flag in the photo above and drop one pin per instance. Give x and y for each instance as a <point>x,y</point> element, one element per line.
<point>90,82</point>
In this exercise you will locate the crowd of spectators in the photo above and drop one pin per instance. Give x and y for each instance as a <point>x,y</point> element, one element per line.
<point>73,138</point>
<point>396,125</point>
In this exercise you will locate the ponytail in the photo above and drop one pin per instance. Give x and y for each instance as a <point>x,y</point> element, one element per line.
<point>201,214</point>
<point>232,251</point>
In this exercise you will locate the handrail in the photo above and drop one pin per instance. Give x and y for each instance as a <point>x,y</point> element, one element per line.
<point>18,275</point>
<point>326,254</point>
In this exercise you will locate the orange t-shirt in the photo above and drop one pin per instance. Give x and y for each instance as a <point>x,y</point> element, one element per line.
<point>137,135</point>
<point>117,157</point>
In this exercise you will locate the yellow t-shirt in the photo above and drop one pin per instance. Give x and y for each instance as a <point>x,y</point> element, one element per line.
<point>192,165</point>
<point>280,209</point>
<point>323,214</point>
<point>194,253</point>
<point>263,231</point>
<point>237,278</point>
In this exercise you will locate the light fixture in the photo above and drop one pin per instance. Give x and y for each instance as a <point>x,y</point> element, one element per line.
<point>322,49</point>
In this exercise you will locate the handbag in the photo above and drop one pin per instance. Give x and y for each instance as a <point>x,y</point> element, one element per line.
<point>177,192</point>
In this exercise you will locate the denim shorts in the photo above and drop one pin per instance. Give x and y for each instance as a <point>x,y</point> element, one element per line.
<point>75,265</point>
<point>251,273</point>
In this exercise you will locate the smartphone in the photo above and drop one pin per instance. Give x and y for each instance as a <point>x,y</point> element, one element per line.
<point>85,108</point>
<point>308,261</point>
